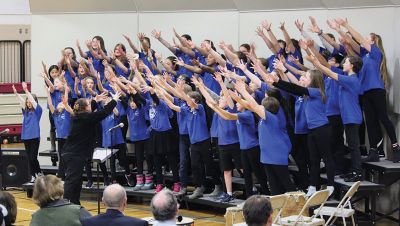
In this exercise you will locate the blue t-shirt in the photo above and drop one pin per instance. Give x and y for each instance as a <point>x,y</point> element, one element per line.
<point>214,126</point>
<point>97,64</point>
<point>315,109</point>
<point>247,132</point>
<point>186,59</point>
<point>146,61</point>
<point>159,117</point>
<point>274,142</point>
<point>120,72</point>
<point>332,94</point>
<point>210,82</point>
<point>196,124</point>
<point>349,90</point>
<point>181,116</point>
<point>30,123</point>
<point>138,129</point>
<point>115,136</point>
<point>56,97</point>
<point>370,74</point>
<point>62,122</point>
<point>300,125</point>
<point>227,130</point>
<point>71,81</point>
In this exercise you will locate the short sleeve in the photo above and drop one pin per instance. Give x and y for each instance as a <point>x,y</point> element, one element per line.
<point>376,53</point>
<point>264,87</point>
<point>245,117</point>
<point>313,92</point>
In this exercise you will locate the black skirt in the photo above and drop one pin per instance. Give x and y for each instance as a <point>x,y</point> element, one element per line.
<point>160,142</point>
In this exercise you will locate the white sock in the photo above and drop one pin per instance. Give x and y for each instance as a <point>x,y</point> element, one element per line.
<point>330,189</point>
<point>229,193</point>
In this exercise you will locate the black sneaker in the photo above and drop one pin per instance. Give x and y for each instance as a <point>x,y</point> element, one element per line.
<point>396,154</point>
<point>89,184</point>
<point>106,181</point>
<point>373,156</point>
<point>363,150</point>
<point>130,180</point>
<point>346,175</point>
<point>354,177</point>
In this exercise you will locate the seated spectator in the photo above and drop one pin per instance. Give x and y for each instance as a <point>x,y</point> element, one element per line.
<point>165,208</point>
<point>114,198</point>
<point>48,194</point>
<point>8,209</point>
<point>257,211</point>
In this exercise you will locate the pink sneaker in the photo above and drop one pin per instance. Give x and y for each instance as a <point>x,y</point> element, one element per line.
<point>159,188</point>
<point>177,187</point>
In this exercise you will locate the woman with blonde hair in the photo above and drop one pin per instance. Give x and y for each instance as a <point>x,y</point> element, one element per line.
<point>48,194</point>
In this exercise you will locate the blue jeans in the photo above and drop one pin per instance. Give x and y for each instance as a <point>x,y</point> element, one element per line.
<point>184,159</point>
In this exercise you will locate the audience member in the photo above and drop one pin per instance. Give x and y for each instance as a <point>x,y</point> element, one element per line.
<point>257,211</point>
<point>114,198</point>
<point>165,208</point>
<point>48,195</point>
<point>8,209</point>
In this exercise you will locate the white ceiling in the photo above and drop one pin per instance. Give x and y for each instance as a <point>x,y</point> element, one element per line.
<point>92,6</point>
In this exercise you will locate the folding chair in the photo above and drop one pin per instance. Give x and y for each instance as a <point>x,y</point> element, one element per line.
<point>318,199</point>
<point>277,203</point>
<point>343,210</point>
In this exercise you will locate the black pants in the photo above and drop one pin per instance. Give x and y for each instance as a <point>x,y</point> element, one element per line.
<point>279,179</point>
<point>32,149</point>
<point>375,111</point>
<point>202,160</point>
<point>141,154</point>
<point>301,155</point>
<point>353,142</point>
<point>60,144</point>
<point>251,164</point>
<point>361,129</point>
<point>318,144</point>
<point>73,177</point>
<point>122,160</point>
<point>172,162</point>
<point>337,141</point>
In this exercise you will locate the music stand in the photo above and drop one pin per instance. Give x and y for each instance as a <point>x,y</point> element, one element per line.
<point>100,155</point>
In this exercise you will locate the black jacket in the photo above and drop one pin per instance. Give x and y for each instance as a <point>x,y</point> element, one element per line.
<point>81,138</point>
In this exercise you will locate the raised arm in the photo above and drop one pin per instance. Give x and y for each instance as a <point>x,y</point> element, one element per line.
<point>260,32</point>
<point>254,106</point>
<point>29,95</point>
<point>19,97</point>
<point>191,68</point>
<point>250,75</point>
<point>325,70</point>
<point>133,47</point>
<point>267,26</point>
<point>232,57</point>
<point>49,101</point>
<point>289,44</point>
<point>65,100</point>
<point>76,87</point>
<point>356,35</point>
<point>83,54</point>
<point>229,100</point>
<point>157,35</point>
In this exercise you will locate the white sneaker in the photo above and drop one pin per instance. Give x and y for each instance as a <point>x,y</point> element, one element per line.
<point>32,179</point>
<point>311,190</point>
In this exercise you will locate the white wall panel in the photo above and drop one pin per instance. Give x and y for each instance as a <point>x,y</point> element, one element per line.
<point>215,26</point>
<point>52,33</point>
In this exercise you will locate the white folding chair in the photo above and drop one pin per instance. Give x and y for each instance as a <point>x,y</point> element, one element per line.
<point>318,199</point>
<point>343,210</point>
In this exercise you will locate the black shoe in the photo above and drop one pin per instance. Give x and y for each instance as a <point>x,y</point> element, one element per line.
<point>373,156</point>
<point>130,180</point>
<point>396,154</point>
<point>89,184</point>
<point>354,177</point>
<point>346,175</point>
<point>106,181</point>
<point>363,150</point>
